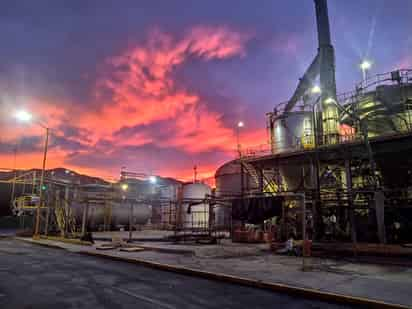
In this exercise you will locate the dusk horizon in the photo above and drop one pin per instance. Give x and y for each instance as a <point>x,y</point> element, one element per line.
<point>159,88</point>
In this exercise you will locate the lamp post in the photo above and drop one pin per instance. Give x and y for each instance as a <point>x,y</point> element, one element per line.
<point>365,66</point>
<point>240,125</point>
<point>25,116</point>
<point>125,187</point>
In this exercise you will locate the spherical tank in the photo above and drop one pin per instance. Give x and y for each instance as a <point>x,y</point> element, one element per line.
<point>194,215</point>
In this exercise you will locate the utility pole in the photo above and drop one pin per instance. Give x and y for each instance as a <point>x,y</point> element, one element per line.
<point>37,226</point>
<point>13,188</point>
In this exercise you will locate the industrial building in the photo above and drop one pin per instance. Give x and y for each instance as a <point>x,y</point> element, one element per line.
<point>348,154</point>
<point>337,167</point>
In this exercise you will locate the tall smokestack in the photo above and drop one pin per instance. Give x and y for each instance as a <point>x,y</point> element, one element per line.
<point>330,115</point>
<point>323,66</point>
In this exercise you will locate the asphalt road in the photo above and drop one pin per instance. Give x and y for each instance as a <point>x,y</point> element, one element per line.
<point>37,277</point>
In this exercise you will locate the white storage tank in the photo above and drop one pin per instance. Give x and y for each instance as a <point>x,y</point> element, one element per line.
<point>195,214</point>
<point>168,203</point>
<point>291,131</point>
<point>228,183</point>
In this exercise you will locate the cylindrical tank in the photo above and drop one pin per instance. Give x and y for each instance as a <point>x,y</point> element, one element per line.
<point>228,183</point>
<point>228,180</point>
<point>121,213</point>
<point>291,131</point>
<point>104,202</point>
<point>195,214</point>
<point>168,204</point>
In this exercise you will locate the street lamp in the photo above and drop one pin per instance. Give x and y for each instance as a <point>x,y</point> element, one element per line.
<point>365,66</point>
<point>25,116</point>
<point>240,125</point>
<point>152,179</point>
<point>125,187</point>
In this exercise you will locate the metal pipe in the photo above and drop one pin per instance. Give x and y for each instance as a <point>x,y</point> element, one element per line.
<point>303,200</point>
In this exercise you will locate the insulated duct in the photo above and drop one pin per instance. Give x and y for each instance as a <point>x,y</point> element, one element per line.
<point>323,66</point>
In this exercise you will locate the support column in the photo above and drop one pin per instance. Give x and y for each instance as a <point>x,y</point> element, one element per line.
<point>380,215</point>
<point>348,176</point>
<point>66,211</point>
<point>131,222</point>
<point>84,219</point>
<point>261,179</point>
<point>46,224</point>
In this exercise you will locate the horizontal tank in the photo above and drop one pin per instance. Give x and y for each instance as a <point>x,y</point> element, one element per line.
<point>121,213</point>
<point>106,205</point>
<point>195,214</point>
<point>291,131</point>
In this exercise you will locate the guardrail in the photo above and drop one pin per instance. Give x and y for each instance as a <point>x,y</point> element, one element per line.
<point>306,142</point>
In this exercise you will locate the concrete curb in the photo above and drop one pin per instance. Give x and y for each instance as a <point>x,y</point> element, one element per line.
<point>38,243</point>
<point>72,241</point>
<point>275,287</point>
<point>166,250</point>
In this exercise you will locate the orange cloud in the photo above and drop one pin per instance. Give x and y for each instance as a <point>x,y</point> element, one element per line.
<point>138,88</point>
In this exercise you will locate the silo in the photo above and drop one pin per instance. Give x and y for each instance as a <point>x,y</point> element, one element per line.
<point>229,184</point>
<point>195,213</point>
<point>290,132</point>
<point>168,203</point>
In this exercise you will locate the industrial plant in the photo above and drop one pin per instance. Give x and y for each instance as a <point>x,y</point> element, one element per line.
<point>336,169</point>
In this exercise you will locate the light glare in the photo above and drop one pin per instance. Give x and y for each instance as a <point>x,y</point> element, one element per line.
<point>23,116</point>
<point>366,65</point>
<point>240,124</point>
<point>316,89</point>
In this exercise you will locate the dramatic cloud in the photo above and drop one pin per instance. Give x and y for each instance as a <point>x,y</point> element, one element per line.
<point>144,115</point>
<point>158,86</point>
<point>138,91</point>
